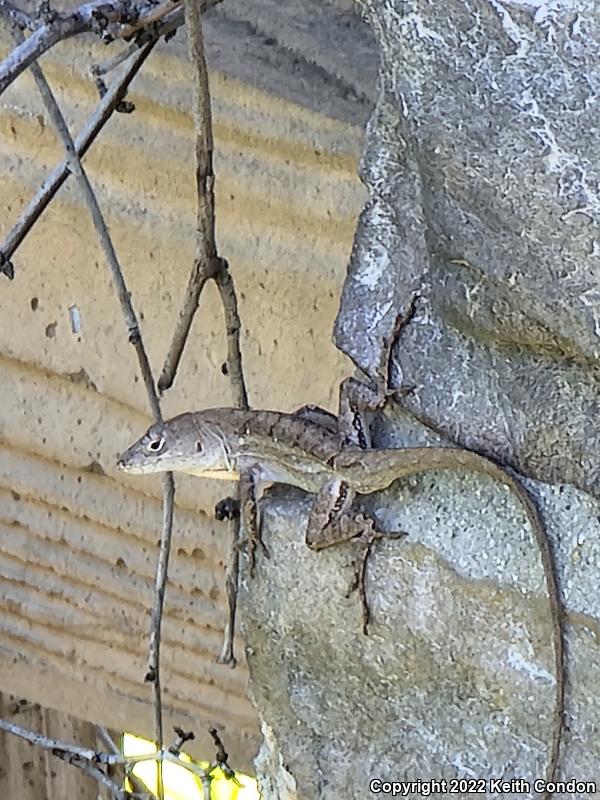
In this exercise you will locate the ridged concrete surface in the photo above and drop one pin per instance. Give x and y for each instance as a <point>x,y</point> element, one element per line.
<point>79,540</point>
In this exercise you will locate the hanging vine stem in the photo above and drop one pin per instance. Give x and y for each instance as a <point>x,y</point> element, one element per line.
<point>208,265</point>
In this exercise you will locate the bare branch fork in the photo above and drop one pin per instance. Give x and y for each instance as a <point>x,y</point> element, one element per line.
<point>59,175</point>
<point>209,266</point>
<point>93,761</point>
<point>135,56</point>
<point>111,19</point>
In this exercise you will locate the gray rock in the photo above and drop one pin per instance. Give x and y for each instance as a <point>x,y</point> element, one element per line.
<point>456,677</point>
<point>483,165</point>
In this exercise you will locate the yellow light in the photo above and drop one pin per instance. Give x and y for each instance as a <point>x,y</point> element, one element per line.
<point>179,783</point>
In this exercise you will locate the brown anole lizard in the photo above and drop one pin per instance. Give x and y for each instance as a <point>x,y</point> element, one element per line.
<point>307,450</point>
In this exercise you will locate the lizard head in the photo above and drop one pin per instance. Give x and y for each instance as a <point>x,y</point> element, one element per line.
<point>186,443</point>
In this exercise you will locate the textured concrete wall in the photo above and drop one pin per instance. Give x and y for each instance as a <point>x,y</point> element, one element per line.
<point>79,540</point>
<point>30,773</point>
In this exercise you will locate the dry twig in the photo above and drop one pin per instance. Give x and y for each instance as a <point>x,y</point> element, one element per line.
<point>110,101</point>
<point>40,201</point>
<point>222,757</point>
<point>207,265</point>
<point>233,365</point>
<point>91,760</point>
<point>182,738</point>
<point>74,165</point>
<point>160,584</point>
<point>232,574</point>
<point>111,19</point>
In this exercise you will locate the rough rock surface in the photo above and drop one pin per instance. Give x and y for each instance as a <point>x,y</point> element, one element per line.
<point>483,166</point>
<point>456,678</point>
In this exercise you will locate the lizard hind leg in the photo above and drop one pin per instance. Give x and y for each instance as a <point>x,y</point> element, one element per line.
<point>358,398</point>
<point>368,536</point>
<point>329,522</point>
<point>251,491</point>
<point>332,521</point>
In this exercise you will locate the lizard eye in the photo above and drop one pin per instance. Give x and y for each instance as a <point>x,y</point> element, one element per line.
<point>156,445</point>
<point>199,447</point>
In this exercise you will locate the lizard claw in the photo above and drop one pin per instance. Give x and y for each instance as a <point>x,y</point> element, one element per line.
<point>395,535</point>
<point>264,548</point>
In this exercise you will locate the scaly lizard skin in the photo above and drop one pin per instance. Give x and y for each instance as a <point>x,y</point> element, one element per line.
<point>305,450</point>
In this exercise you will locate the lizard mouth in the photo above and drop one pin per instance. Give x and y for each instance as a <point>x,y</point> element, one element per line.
<point>124,465</point>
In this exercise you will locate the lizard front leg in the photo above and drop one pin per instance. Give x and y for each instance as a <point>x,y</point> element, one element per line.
<point>251,491</point>
<point>332,521</point>
<point>358,396</point>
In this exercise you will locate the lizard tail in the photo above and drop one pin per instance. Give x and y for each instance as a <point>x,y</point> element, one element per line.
<point>364,470</point>
<point>557,618</point>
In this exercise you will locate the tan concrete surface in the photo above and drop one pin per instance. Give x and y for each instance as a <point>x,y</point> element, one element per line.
<point>31,773</point>
<point>79,540</point>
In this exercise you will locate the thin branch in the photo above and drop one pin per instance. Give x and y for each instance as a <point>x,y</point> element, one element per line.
<point>232,577</point>
<point>85,756</point>
<point>222,757</point>
<point>57,746</point>
<point>138,787</point>
<point>233,366</point>
<point>205,261</point>
<point>162,567</point>
<point>42,198</point>
<point>166,755</point>
<point>109,18</point>
<point>170,17</point>
<point>172,20</point>
<point>107,105</point>
<point>104,67</point>
<point>154,15</point>
<point>106,739</point>
<point>75,166</point>
<point>97,774</point>
<point>135,338</point>
<point>182,738</point>
<point>208,265</point>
